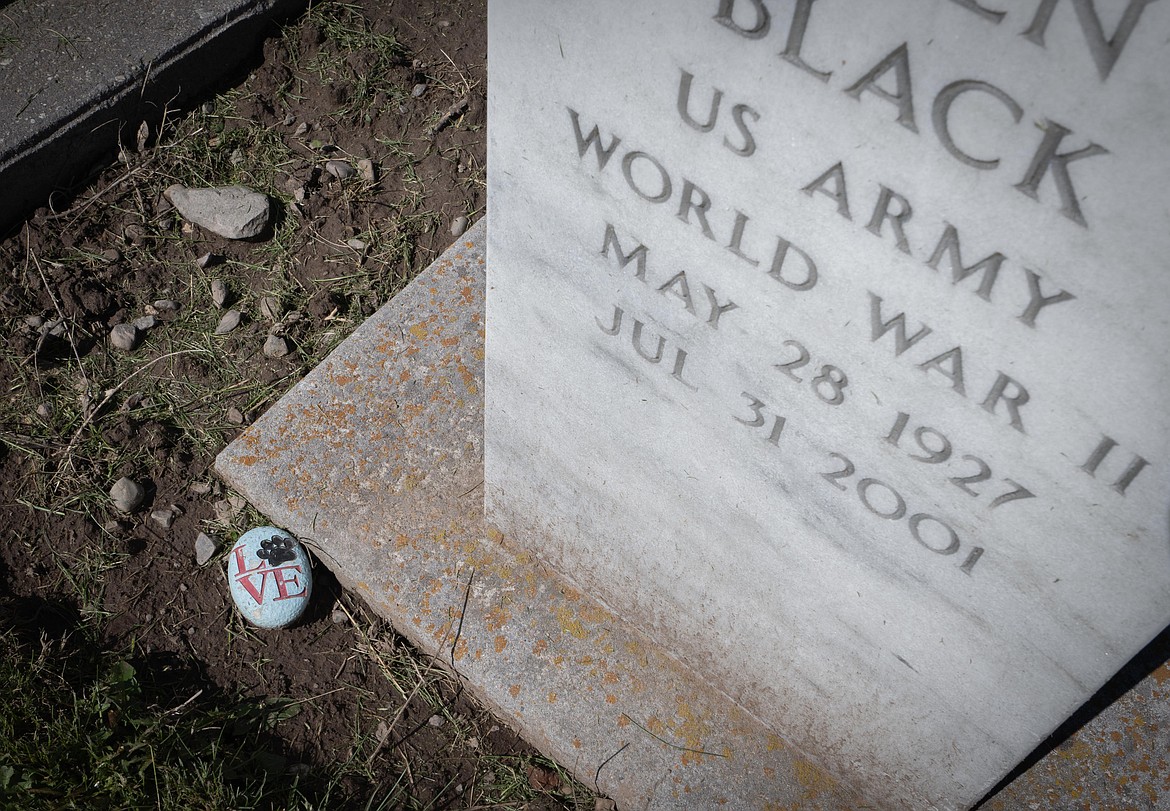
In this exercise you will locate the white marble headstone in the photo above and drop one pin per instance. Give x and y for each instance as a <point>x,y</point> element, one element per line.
<point>829,342</point>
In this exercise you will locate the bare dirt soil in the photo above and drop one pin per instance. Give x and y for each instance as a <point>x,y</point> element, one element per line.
<point>400,84</point>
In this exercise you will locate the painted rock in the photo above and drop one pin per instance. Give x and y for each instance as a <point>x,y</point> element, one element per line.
<point>270,577</point>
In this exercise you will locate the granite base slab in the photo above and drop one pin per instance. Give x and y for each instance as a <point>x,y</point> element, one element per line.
<point>375,461</point>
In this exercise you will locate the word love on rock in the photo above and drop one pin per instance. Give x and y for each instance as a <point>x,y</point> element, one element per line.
<point>270,577</point>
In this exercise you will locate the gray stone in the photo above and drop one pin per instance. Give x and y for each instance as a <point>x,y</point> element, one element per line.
<point>234,212</point>
<point>231,319</point>
<point>275,347</point>
<point>219,292</point>
<point>271,308</point>
<point>356,244</point>
<point>204,549</point>
<point>111,255</point>
<point>418,90</point>
<point>164,518</point>
<point>235,416</point>
<point>459,225</point>
<point>34,322</point>
<point>208,260</point>
<point>124,337</point>
<point>127,495</point>
<point>366,169</point>
<point>166,305</point>
<point>145,322</point>
<point>302,129</point>
<point>339,169</point>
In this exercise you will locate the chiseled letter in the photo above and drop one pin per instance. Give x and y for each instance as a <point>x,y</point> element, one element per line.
<point>948,245</point>
<point>940,116</point>
<point>1105,52</point>
<point>795,41</point>
<point>725,17</point>
<point>594,139</point>
<point>836,174</point>
<point>903,96</point>
<point>1046,156</point>
<point>637,255</point>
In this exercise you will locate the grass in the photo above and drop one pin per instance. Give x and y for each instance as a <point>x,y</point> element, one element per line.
<point>88,724</point>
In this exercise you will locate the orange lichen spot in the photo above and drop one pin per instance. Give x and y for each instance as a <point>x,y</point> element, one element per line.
<point>494,535</point>
<point>623,720</point>
<point>460,649</point>
<point>569,623</point>
<point>1162,675</point>
<point>610,698</point>
<point>478,353</point>
<point>655,725</point>
<point>571,594</point>
<point>419,331</point>
<point>552,697</point>
<point>514,690</point>
<point>558,660</point>
<point>769,773</point>
<point>362,584</point>
<point>585,660</point>
<point>248,461</point>
<point>539,646</point>
<point>811,779</point>
<point>501,642</point>
<point>775,744</point>
<point>576,743</point>
<point>610,677</point>
<point>497,617</point>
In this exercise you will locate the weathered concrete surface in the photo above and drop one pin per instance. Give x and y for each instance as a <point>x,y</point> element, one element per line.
<point>375,461</point>
<point>75,77</point>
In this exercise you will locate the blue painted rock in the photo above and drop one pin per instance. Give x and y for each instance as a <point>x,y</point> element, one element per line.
<point>270,577</point>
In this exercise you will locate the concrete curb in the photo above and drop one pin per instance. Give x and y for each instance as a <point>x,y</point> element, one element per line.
<point>78,77</point>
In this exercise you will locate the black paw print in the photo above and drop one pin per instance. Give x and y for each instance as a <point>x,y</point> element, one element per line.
<point>276,550</point>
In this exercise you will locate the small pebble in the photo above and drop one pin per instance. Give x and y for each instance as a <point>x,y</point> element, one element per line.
<point>435,720</point>
<point>111,254</point>
<point>419,89</point>
<point>366,169</point>
<point>230,320</point>
<point>339,169</point>
<point>275,347</point>
<point>338,616</point>
<point>164,518</point>
<point>134,234</point>
<point>357,244</point>
<point>127,495</point>
<point>34,321</point>
<point>235,416</point>
<point>219,292</point>
<point>270,308</point>
<point>208,108</point>
<point>166,305</point>
<point>56,327</point>
<point>444,23</point>
<point>302,128</point>
<point>124,337</point>
<point>145,322</point>
<point>44,411</point>
<point>289,119</point>
<point>199,488</point>
<point>459,225</point>
<point>204,549</point>
<point>237,157</point>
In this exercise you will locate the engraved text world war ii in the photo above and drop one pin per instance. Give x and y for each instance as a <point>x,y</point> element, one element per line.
<point>827,342</point>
